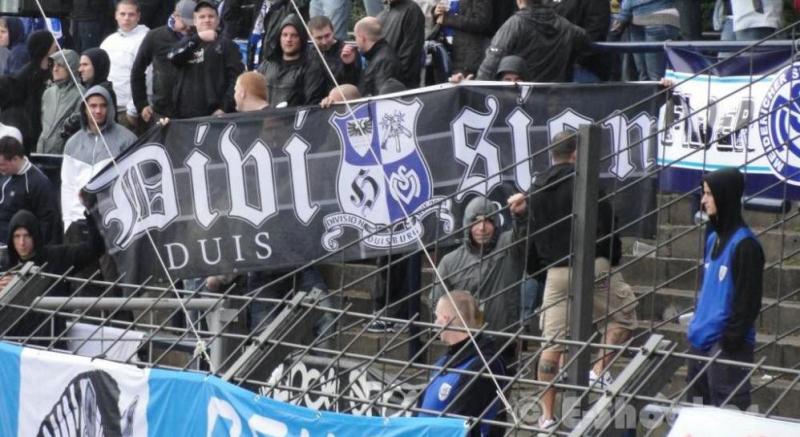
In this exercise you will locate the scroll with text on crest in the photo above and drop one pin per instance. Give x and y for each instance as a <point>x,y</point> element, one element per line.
<point>279,188</point>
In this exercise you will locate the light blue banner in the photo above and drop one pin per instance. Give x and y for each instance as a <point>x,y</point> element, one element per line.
<point>233,411</point>
<point>50,393</point>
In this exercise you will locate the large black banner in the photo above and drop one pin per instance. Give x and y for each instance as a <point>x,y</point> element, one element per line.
<point>280,188</point>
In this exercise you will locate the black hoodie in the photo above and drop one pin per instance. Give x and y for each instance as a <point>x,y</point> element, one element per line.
<point>21,94</point>
<point>101,64</point>
<point>16,44</point>
<point>57,258</point>
<point>298,82</point>
<point>727,187</point>
<point>548,42</point>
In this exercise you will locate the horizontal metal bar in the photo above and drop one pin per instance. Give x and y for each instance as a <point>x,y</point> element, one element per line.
<point>122,303</point>
<point>712,46</point>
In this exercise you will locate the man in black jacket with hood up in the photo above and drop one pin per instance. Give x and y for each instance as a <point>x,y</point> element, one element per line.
<point>548,42</point>
<point>729,300</point>
<point>26,243</point>
<point>21,94</point>
<point>294,73</point>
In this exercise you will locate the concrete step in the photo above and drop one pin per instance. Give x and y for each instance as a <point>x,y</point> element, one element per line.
<point>686,241</point>
<point>681,212</point>
<point>780,280</point>
<point>666,303</point>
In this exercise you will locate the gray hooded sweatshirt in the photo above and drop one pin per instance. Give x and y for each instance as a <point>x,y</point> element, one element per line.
<point>60,101</point>
<point>491,273</point>
<point>86,154</point>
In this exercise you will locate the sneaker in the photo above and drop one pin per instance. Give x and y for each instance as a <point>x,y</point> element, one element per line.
<point>547,425</point>
<point>380,326</point>
<point>605,381</point>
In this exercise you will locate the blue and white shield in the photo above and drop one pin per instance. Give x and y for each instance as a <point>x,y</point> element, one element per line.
<point>382,177</point>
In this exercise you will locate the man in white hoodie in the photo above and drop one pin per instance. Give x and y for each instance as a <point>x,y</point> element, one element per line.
<point>122,47</point>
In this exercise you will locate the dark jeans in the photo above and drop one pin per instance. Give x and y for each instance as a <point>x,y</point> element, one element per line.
<point>397,280</point>
<point>720,380</point>
<point>86,34</point>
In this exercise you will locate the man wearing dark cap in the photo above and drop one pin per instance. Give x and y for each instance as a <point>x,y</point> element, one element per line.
<point>207,67</point>
<point>153,51</point>
<point>730,295</point>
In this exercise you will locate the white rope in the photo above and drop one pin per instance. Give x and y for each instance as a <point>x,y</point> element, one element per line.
<point>472,339</point>
<point>200,347</point>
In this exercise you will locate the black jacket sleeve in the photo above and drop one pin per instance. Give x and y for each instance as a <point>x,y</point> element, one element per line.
<point>314,83</point>
<point>45,208</point>
<point>477,19</point>
<point>748,271</point>
<point>233,68</point>
<point>501,44</point>
<point>144,57</point>
<point>183,51</point>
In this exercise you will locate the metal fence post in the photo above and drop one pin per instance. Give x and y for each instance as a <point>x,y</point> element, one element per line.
<point>584,235</point>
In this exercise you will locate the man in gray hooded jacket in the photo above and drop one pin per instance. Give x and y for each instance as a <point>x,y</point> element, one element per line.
<point>490,264</point>
<point>60,101</point>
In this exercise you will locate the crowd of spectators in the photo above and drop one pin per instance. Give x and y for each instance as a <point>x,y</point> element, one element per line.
<point>123,65</point>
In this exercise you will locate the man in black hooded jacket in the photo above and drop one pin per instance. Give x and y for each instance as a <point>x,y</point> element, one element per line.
<point>548,42</point>
<point>21,94</point>
<point>729,300</point>
<point>26,244</point>
<point>294,73</point>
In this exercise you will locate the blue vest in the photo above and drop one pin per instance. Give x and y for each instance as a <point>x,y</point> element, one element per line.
<point>716,295</point>
<point>445,386</point>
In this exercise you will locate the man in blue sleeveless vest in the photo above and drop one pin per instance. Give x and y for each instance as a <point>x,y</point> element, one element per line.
<point>730,298</point>
<point>453,392</point>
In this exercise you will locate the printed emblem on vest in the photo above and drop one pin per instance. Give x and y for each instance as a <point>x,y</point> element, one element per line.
<point>723,270</point>
<point>444,391</point>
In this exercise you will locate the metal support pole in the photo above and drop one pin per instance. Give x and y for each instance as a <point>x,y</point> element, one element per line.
<point>584,236</point>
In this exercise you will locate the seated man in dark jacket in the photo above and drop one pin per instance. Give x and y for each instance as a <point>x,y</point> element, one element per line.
<point>548,42</point>
<point>382,63</point>
<point>26,244</point>
<point>458,393</point>
<point>294,74</point>
<point>207,67</point>
<point>24,186</point>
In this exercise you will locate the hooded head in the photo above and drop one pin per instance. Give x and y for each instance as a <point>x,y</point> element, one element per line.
<point>292,35</point>
<point>481,221</point>
<point>100,64</point>
<point>91,97</point>
<point>16,31</point>
<point>39,44</point>
<point>723,202</point>
<point>511,64</point>
<point>68,59</point>
<point>23,219</point>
